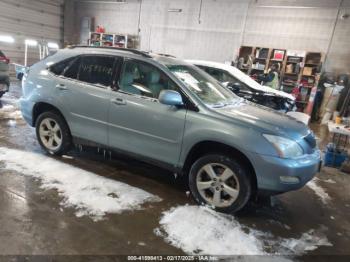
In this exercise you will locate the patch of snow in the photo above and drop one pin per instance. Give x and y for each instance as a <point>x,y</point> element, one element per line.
<point>330,181</point>
<point>12,123</point>
<point>15,115</point>
<point>200,230</point>
<point>10,111</point>
<point>309,241</point>
<point>90,194</point>
<point>320,192</point>
<point>7,108</point>
<point>141,243</point>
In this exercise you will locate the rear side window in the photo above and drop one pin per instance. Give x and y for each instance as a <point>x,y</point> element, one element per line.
<point>97,70</point>
<point>59,68</point>
<point>2,54</point>
<point>72,70</point>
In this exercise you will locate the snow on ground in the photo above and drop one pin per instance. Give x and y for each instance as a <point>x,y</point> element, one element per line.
<point>88,193</point>
<point>330,181</point>
<point>11,112</point>
<point>320,192</point>
<point>309,241</point>
<point>200,230</point>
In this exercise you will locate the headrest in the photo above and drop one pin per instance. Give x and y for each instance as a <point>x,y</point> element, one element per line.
<point>128,79</point>
<point>153,77</point>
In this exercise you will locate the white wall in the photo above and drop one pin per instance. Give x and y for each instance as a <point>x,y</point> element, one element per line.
<point>29,19</point>
<point>225,25</point>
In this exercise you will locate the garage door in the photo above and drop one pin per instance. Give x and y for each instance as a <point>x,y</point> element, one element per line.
<point>40,20</point>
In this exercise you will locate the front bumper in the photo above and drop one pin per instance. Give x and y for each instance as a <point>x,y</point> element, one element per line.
<point>276,175</point>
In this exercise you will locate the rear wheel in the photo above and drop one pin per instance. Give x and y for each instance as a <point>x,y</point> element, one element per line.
<point>53,133</point>
<point>220,182</point>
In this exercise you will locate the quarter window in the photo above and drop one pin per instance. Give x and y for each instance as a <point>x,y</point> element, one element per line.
<point>73,69</point>
<point>59,67</point>
<point>97,70</point>
<point>144,79</point>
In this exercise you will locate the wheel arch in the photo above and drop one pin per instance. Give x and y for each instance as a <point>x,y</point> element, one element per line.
<point>42,107</point>
<point>206,147</point>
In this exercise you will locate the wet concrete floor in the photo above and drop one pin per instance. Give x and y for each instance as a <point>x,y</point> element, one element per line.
<point>32,221</point>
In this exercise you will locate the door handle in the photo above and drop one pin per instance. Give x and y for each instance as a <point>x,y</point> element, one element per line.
<point>61,87</point>
<point>119,101</point>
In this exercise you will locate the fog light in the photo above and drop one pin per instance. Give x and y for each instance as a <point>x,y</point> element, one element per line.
<point>289,179</point>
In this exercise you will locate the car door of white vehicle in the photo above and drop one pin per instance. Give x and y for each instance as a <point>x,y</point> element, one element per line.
<point>138,123</point>
<point>84,90</point>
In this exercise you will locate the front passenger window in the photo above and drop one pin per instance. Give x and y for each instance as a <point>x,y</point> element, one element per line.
<point>143,79</point>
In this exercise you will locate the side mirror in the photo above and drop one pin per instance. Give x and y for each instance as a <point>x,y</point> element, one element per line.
<point>234,87</point>
<point>170,98</point>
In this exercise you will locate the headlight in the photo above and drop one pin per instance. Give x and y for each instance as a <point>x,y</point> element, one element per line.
<point>286,148</point>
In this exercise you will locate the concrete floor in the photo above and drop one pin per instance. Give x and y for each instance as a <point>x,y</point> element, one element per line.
<point>32,222</point>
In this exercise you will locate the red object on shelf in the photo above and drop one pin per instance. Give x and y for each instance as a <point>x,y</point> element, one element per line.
<point>100,29</point>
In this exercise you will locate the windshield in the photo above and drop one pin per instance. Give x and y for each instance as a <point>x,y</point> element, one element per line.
<point>206,88</point>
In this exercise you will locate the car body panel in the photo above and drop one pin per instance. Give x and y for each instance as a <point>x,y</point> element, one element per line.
<point>242,77</point>
<point>166,134</point>
<point>4,74</point>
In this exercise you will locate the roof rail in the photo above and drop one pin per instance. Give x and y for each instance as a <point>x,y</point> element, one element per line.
<point>134,51</point>
<point>166,55</point>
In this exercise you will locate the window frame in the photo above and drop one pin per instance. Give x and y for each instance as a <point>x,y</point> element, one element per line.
<point>116,67</point>
<point>245,86</point>
<point>119,77</point>
<point>116,64</point>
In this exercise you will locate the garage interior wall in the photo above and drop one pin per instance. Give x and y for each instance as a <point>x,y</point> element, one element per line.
<point>40,20</point>
<point>215,29</point>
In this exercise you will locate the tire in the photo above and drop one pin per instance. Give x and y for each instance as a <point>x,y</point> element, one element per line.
<point>233,183</point>
<point>1,94</point>
<point>53,133</point>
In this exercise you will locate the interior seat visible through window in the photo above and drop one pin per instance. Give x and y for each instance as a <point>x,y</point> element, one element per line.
<point>144,79</point>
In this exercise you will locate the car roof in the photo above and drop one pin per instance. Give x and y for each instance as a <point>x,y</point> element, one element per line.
<point>241,76</point>
<point>133,53</point>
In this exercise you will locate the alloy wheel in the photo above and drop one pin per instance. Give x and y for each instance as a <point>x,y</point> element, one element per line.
<point>218,185</point>
<point>50,134</point>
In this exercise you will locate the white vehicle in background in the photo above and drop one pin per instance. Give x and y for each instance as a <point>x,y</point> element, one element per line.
<point>244,86</point>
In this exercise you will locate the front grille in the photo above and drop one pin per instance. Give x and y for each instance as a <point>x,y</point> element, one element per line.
<point>311,139</point>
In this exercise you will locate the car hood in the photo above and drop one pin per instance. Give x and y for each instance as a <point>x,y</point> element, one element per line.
<point>264,119</point>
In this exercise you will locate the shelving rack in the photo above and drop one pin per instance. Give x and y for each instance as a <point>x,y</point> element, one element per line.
<point>299,70</point>
<point>112,40</point>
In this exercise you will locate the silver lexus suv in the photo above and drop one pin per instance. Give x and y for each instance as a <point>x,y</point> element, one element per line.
<point>164,111</point>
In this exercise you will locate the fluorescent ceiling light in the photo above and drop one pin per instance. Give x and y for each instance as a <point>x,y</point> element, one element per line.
<point>53,45</point>
<point>175,10</point>
<point>7,39</point>
<point>30,42</point>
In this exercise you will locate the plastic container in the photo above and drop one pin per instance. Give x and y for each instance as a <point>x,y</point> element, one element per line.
<point>334,158</point>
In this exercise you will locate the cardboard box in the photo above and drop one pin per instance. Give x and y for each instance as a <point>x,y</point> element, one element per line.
<point>307,71</point>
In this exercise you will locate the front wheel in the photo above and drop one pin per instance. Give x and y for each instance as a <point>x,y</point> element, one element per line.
<point>220,182</point>
<point>53,133</point>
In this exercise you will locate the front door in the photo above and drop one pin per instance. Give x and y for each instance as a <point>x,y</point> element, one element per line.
<point>138,123</point>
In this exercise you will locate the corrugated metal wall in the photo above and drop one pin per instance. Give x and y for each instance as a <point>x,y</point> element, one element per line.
<point>30,19</point>
<point>224,25</point>
<point>339,52</point>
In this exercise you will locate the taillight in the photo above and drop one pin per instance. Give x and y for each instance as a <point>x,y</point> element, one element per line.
<point>4,59</point>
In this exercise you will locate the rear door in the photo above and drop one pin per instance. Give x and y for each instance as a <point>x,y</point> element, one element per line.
<point>84,90</point>
<point>138,122</point>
